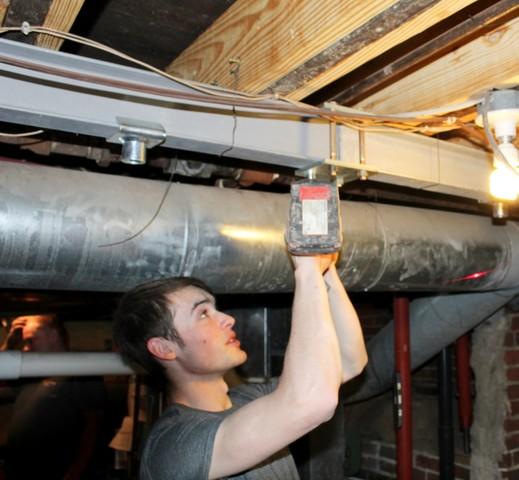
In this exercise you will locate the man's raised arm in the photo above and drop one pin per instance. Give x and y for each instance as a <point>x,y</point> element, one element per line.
<point>307,393</point>
<point>349,333</point>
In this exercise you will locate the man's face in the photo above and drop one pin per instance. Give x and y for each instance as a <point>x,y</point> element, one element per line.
<point>210,343</point>
<point>36,336</point>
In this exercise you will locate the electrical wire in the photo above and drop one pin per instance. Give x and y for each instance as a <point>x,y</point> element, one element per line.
<point>233,135</point>
<point>26,134</point>
<point>26,29</point>
<point>152,219</point>
<point>220,95</point>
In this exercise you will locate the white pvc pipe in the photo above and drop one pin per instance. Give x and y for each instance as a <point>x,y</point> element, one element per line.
<point>15,364</point>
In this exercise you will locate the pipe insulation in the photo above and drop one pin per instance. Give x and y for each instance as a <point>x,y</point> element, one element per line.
<point>435,323</point>
<point>15,364</point>
<point>56,227</point>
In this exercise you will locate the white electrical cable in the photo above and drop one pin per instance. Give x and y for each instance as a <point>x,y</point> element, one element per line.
<point>26,134</point>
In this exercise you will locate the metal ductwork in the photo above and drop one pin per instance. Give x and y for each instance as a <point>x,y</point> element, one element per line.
<point>435,323</point>
<point>65,229</point>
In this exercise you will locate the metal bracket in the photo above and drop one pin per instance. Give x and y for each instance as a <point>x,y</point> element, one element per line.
<point>136,136</point>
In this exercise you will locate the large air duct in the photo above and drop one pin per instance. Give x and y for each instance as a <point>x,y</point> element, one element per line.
<point>65,229</point>
<point>435,323</point>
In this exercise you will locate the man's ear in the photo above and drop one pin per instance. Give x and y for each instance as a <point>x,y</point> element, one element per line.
<point>161,348</point>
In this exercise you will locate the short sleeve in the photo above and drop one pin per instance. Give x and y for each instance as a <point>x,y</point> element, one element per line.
<point>180,446</point>
<point>246,393</point>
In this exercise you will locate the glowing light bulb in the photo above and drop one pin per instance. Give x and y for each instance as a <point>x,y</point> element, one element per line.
<point>504,183</point>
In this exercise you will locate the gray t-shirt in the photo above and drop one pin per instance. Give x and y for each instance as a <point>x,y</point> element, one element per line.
<point>180,444</point>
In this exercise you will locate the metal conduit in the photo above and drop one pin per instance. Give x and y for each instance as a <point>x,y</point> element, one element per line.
<point>54,224</point>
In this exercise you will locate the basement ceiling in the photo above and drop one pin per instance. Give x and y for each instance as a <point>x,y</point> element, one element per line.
<point>385,57</point>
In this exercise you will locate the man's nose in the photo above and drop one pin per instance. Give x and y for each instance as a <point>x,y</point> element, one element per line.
<point>227,321</point>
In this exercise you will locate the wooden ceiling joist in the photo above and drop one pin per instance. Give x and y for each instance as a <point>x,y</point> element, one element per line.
<point>297,46</point>
<point>269,38</point>
<point>61,16</point>
<point>4,5</point>
<point>372,77</point>
<point>487,62</point>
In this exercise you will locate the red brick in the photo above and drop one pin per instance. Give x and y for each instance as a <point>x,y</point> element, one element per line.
<point>513,392</point>
<point>431,463</point>
<point>505,461</point>
<point>515,323</point>
<point>514,474</point>
<point>510,338</point>
<point>516,336</point>
<point>388,451</point>
<point>512,374</point>
<point>515,458</point>
<point>419,474</point>
<point>511,475</point>
<point>512,357</point>
<point>386,466</point>
<point>372,448</point>
<point>512,441</point>
<point>461,473</point>
<point>512,425</point>
<point>514,407</point>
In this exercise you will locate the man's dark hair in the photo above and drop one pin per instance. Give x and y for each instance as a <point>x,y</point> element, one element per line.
<point>144,312</point>
<point>55,323</point>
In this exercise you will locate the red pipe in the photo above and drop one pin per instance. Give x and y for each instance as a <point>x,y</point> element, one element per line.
<point>404,433</point>
<point>464,388</point>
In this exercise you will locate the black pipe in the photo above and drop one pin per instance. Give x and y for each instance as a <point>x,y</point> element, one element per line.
<point>445,428</point>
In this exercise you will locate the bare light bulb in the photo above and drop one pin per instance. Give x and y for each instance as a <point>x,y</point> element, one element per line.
<point>504,183</point>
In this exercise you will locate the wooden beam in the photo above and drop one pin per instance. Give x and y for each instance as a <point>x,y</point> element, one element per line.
<point>61,16</point>
<point>297,46</point>
<point>4,5</point>
<point>412,25</point>
<point>269,38</point>
<point>487,62</point>
<point>458,30</point>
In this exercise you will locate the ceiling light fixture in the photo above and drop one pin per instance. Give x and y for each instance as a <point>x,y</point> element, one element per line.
<point>500,111</point>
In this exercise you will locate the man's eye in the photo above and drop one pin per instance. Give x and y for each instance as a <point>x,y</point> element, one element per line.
<point>203,314</point>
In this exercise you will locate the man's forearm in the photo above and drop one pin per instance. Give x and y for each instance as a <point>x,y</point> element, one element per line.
<point>347,326</point>
<point>312,360</point>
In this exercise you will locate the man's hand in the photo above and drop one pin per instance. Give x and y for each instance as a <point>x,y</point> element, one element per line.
<point>14,340</point>
<point>322,261</point>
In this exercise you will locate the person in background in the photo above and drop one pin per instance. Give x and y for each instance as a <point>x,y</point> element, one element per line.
<point>172,327</point>
<point>55,421</point>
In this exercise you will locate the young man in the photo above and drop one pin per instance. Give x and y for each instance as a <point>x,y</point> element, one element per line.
<point>172,327</point>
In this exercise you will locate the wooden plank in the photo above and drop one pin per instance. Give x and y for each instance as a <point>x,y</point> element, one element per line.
<point>61,16</point>
<point>4,5</point>
<point>270,38</point>
<point>487,62</point>
<point>435,14</point>
<point>19,11</point>
<point>459,29</point>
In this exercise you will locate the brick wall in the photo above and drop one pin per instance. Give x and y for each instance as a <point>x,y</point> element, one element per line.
<point>378,460</point>
<point>379,463</point>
